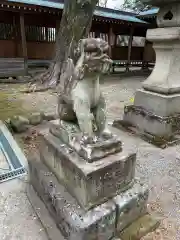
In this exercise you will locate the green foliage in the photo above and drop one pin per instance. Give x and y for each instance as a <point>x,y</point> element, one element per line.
<point>136,5</point>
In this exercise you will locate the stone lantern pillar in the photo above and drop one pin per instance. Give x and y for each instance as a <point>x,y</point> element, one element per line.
<point>156,109</point>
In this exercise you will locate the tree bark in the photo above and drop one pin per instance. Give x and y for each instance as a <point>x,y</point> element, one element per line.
<point>75,25</point>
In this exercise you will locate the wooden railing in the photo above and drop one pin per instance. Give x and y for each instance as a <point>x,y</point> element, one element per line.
<point>33,63</point>
<point>133,63</point>
<point>11,67</point>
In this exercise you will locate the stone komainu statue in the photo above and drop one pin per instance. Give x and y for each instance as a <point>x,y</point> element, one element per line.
<point>80,99</point>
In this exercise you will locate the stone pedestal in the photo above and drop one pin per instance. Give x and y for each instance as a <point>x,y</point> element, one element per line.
<point>90,183</point>
<point>93,200</point>
<point>154,114</point>
<point>156,109</point>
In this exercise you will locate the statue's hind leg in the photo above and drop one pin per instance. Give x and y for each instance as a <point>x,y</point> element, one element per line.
<point>100,115</point>
<point>65,111</point>
<point>83,114</point>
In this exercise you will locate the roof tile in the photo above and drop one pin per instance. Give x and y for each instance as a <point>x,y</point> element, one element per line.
<point>101,12</point>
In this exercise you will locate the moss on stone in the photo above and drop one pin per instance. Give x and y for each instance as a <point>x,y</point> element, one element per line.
<point>10,105</point>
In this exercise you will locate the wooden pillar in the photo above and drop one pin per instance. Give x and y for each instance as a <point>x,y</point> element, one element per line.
<point>130,47</point>
<point>115,40</point>
<point>23,41</point>
<point>58,22</point>
<point>110,40</point>
<point>16,27</point>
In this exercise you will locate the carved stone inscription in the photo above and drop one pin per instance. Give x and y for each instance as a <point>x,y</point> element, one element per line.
<point>111,180</point>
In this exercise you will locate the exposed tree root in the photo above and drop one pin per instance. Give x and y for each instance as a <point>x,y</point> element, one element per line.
<point>46,80</point>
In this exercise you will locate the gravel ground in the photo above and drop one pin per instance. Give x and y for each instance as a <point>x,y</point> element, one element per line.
<point>159,168</point>
<point>17,218</point>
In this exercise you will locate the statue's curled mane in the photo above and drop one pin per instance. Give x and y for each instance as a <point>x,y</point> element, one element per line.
<point>93,57</point>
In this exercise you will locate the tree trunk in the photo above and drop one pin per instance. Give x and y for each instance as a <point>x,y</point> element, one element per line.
<point>75,25</point>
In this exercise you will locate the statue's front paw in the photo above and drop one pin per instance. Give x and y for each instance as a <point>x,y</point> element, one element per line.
<point>106,134</point>
<point>89,139</point>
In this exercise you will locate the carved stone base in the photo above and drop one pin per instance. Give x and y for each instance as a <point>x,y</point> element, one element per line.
<point>163,127</point>
<point>162,105</point>
<point>154,116</point>
<point>102,222</point>
<point>91,183</point>
<point>152,128</point>
<point>70,134</point>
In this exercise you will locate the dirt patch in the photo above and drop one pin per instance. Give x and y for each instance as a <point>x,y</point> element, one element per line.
<point>14,102</point>
<point>10,105</point>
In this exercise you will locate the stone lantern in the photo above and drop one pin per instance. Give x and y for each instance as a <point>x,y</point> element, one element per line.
<point>156,109</point>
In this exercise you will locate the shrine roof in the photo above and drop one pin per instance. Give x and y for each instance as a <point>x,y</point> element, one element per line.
<point>119,15</point>
<point>99,12</point>
<point>149,13</point>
